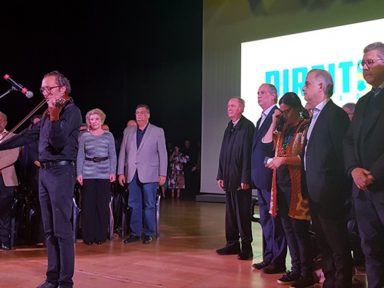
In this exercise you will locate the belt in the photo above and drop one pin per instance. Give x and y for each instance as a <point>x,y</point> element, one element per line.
<point>50,164</point>
<point>96,159</point>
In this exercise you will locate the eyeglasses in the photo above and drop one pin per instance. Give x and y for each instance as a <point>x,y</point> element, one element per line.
<point>48,89</point>
<point>368,62</point>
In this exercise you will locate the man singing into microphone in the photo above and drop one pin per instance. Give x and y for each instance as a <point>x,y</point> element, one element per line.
<point>57,135</point>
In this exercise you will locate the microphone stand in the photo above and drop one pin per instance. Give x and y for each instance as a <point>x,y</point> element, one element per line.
<point>8,91</point>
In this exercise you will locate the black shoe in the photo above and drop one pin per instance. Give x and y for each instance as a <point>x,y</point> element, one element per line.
<point>245,255</point>
<point>289,278</point>
<point>47,284</point>
<point>131,239</point>
<point>99,242</point>
<point>271,269</point>
<point>260,265</point>
<point>147,239</point>
<point>232,249</point>
<point>304,282</point>
<point>5,247</point>
<point>88,243</point>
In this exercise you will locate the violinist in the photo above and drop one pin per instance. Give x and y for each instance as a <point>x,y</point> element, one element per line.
<point>57,135</point>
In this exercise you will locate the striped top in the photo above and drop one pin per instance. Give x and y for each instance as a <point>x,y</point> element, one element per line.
<point>91,146</point>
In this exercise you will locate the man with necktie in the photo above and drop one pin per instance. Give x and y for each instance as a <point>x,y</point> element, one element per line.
<point>364,161</point>
<point>274,243</point>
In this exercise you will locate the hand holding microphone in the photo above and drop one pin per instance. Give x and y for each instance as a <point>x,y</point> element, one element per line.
<point>18,86</point>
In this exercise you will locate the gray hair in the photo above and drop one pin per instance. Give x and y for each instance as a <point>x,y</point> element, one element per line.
<point>272,89</point>
<point>240,100</point>
<point>379,46</point>
<point>326,78</point>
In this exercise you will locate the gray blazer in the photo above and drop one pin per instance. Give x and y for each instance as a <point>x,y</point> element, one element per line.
<point>150,159</point>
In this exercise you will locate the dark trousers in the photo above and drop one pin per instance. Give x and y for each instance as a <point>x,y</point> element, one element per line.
<point>6,199</point>
<point>238,218</point>
<point>56,187</point>
<point>96,195</point>
<point>332,239</point>
<point>274,242</point>
<point>299,244</point>
<point>370,218</point>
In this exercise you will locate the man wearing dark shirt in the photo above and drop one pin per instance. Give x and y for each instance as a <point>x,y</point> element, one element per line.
<point>234,177</point>
<point>57,135</point>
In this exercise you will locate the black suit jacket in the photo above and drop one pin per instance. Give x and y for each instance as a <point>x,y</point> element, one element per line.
<point>327,184</point>
<point>261,176</point>
<point>364,142</point>
<point>235,154</point>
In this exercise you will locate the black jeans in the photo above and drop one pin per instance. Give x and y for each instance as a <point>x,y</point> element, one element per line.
<point>56,187</point>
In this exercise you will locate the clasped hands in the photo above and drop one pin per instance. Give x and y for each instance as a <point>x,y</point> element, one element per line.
<point>243,186</point>
<point>362,178</point>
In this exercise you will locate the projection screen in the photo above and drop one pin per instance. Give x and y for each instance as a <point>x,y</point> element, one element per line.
<point>246,43</point>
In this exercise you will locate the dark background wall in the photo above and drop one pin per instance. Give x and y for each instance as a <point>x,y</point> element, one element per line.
<point>116,54</point>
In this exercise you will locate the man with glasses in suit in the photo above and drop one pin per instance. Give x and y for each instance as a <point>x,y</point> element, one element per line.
<point>364,159</point>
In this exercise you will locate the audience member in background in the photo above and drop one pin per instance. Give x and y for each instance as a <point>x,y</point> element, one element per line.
<point>274,243</point>
<point>143,165</point>
<point>364,159</point>
<point>286,137</point>
<point>96,170</point>
<point>8,182</point>
<point>234,177</point>
<point>176,180</point>
<point>349,108</point>
<point>191,168</point>
<point>327,184</point>
<point>29,174</point>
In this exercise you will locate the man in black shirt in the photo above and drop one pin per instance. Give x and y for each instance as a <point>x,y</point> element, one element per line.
<point>234,177</point>
<point>57,134</point>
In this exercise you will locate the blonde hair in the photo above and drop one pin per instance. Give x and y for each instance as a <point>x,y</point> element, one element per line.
<point>96,111</point>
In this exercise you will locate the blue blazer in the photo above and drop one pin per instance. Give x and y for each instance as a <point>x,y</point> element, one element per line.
<point>261,176</point>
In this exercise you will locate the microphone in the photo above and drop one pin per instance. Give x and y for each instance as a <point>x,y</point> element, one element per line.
<point>18,87</point>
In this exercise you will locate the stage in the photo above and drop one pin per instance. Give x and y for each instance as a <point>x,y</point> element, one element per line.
<point>182,257</point>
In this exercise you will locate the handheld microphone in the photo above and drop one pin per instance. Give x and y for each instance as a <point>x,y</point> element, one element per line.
<point>18,87</point>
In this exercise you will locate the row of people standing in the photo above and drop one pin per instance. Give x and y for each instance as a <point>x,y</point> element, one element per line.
<point>142,163</point>
<point>307,177</point>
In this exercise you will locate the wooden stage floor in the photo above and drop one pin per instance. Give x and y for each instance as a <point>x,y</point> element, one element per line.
<point>182,257</point>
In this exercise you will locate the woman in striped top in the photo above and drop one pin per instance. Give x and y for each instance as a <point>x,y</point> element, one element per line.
<point>96,169</point>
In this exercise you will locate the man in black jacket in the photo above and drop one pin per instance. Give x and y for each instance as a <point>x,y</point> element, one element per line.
<point>364,159</point>
<point>234,177</point>
<point>327,184</point>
